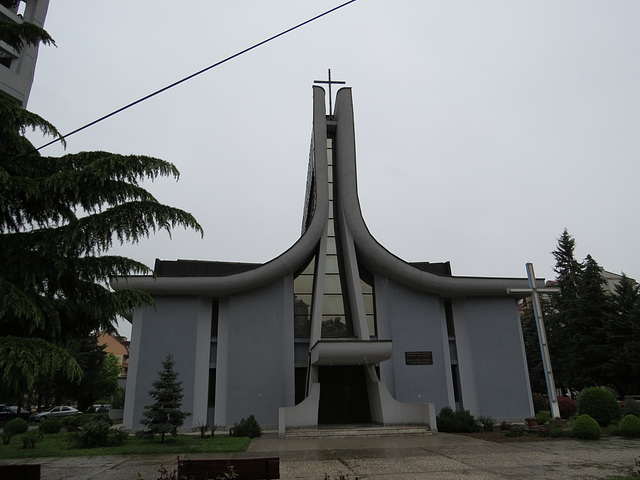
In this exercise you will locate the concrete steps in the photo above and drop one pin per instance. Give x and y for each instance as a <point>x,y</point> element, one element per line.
<point>352,431</point>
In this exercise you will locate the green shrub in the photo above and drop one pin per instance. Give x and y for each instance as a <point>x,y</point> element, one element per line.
<point>600,405</point>
<point>117,401</point>
<point>74,423</point>
<point>586,427</point>
<point>30,438</point>
<point>103,417</point>
<point>539,402</point>
<point>559,432</point>
<point>204,429</point>
<point>50,425</point>
<point>97,432</point>
<point>247,427</point>
<point>462,421</point>
<point>71,423</point>
<point>629,426</point>
<point>12,428</point>
<point>487,423</point>
<point>515,431</point>
<point>542,418</point>
<point>117,437</point>
<point>631,407</point>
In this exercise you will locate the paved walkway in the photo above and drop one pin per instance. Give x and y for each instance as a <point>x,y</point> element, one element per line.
<point>438,457</point>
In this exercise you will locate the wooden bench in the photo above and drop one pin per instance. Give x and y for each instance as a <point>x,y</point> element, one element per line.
<point>245,468</point>
<point>20,472</point>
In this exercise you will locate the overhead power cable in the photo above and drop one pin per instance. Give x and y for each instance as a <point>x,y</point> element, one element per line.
<point>115,112</point>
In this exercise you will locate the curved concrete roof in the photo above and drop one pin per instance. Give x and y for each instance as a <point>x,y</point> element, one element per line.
<point>373,256</point>
<point>292,260</point>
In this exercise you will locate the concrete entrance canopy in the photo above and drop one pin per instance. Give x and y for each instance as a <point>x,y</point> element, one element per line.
<point>350,352</point>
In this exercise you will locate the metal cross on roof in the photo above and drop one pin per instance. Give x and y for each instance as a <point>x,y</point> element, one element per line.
<point>330,82</point>
<point>542,334</point>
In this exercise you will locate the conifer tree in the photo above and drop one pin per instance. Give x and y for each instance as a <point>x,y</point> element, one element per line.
<point>593,336</point>
<point>623,337</point>
<point>589,347</point>
<point>564,309</point>
<point>567,268</point>
<point>58,217</point>
<point>164,415</point>
<point>532,345</point>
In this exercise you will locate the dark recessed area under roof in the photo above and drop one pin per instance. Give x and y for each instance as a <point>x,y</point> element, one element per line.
<point>200,268</point>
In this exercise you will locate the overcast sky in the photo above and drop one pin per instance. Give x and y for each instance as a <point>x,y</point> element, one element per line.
<point>483,128</point>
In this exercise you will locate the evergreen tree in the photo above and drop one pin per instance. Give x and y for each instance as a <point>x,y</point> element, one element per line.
<point>568,269</point>
<point>100,374</point>
<point>58,217</point>
<point>623,338</point>
<point>564,310</point>
<point>594,336</point>
<point>164,415</point>
<point>589,347</point>
<point>532,344</point>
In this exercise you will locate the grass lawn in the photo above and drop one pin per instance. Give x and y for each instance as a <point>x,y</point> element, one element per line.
<point>57,445</point>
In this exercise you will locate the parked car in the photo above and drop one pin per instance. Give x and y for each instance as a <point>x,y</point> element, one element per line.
<point>58,411</point>
<point>99,408</point>
<point>6,413</point>
<point>24,412</point>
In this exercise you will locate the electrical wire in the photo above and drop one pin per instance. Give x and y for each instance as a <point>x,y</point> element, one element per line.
<point>115,112</point>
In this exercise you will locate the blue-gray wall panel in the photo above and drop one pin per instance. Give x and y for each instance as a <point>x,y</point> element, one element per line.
<point>416,323</point>
<point>260,375</point>
<point>178,315</point>
<point>491,339</point>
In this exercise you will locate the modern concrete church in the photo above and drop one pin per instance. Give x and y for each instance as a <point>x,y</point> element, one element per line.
<point>336,330</point>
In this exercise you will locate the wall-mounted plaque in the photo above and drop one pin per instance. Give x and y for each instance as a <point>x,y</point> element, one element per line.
<point>418,358</point>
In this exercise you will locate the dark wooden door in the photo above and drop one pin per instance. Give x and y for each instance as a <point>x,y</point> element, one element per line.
<point>343,395</point>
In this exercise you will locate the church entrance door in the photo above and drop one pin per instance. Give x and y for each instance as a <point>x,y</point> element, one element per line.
<point>343,395</point>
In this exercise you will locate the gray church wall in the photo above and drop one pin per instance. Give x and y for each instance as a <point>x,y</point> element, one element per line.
<point>381,298</point>
<point>416,323</point>
<point>493,368</point>
<point>180,326</point>
<point>255,362</point>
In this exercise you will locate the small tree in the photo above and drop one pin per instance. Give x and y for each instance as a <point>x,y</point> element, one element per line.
<point>165,416</point>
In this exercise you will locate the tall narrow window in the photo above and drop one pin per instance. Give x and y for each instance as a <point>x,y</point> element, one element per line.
<point>214,318</point>
<point>212,388</point>
<point>303,295</point>
<point>366,285</point>
<point>336,316</point>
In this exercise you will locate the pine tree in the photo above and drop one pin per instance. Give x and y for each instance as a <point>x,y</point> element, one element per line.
<point>58,217</point>
<point>568,269</point>
<point>100,374</point>
<point>623,337</point>
<point>164,415</point>
<point>590,349</point>
<point>532,344</point>
<point>564,310</point>
<point>594,336</point>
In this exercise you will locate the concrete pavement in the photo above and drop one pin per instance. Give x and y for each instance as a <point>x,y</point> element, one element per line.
<point>438,457</point>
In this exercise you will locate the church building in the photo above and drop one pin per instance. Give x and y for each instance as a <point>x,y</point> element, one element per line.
<point>335,330</point>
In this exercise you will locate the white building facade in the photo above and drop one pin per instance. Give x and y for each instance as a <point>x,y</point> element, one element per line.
<point>336,330</point>
<point>17,69</point>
